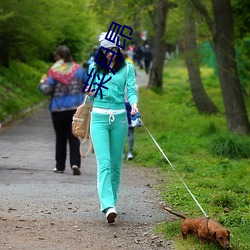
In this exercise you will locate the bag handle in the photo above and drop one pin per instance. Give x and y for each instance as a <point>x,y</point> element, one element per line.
<point>85,139</point>
<point>91,148</point>
<point>127,73</point>
<point>85,99</point>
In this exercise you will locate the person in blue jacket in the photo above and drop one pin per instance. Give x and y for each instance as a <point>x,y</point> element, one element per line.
<point>64,84</point>
<point>109,123</point>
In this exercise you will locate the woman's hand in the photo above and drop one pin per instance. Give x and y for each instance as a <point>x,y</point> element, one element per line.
<point>134,109</point>
<point>43,79</point>
<point>89,92</point>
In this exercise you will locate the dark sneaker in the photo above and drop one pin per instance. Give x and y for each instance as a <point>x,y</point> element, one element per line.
<point>58,171</point>
<point>111,214</point>
<point>76,170</point>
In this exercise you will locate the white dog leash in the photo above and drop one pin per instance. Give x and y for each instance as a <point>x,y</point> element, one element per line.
<point>175,170</point>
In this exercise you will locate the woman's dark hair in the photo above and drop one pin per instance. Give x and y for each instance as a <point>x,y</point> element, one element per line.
<point>63,52</point>
<point>118,65</point>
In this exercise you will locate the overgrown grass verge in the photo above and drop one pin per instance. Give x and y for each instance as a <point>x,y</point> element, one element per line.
<point>19,88</point>
<point>214,164</point>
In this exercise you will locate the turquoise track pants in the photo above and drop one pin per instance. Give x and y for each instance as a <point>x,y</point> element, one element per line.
<point>108,136</point>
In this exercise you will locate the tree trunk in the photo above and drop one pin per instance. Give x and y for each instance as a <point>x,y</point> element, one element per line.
<point>201,99</point>
<point>223,38</point>
<point>233,97</point>
<point>159,48</point>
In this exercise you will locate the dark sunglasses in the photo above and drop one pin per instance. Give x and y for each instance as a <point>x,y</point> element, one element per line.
<point>114,49</point>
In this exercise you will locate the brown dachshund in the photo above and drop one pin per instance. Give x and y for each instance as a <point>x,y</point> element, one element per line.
<point>204,229</point>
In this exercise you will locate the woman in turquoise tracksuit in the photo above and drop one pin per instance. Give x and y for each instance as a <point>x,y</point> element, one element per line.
<point>109,123</point>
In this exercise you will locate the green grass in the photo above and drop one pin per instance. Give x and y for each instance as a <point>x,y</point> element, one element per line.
<point>214,164</point>
<point>19,87</point>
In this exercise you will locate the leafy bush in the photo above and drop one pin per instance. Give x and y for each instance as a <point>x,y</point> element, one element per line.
<point>243,64</point>
<point>231,146</point>
<point>19,87</point>
<point>223,200</point>
<point>211,129</point>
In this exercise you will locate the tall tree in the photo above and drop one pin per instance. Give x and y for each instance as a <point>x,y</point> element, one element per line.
<point>130,13</point>
<point>159,47</point>
<point>28,33</point>
<point>201,99</point>
<point>223,38</point>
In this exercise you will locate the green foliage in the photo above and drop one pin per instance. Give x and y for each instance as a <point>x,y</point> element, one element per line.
<point>41,29</point>
<point>243,59</point>
<point>210,129</point>
<point>219,183</point>
<point>176,19</point>
<point>19,87</point>
<point>137,15</point>
<point>241,17</point>
<point>231,146</point>
<point>175,25</point>
<point>170,230</point>
<point>224,200</point>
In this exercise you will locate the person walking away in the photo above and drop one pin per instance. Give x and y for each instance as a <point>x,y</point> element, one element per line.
<point>130,133</point>
<point>147,58</point>
<point>92,55</point>
<point>64,84</point>
<point>109,123</point>
<point>128,109</point>
<point>139,55</point>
